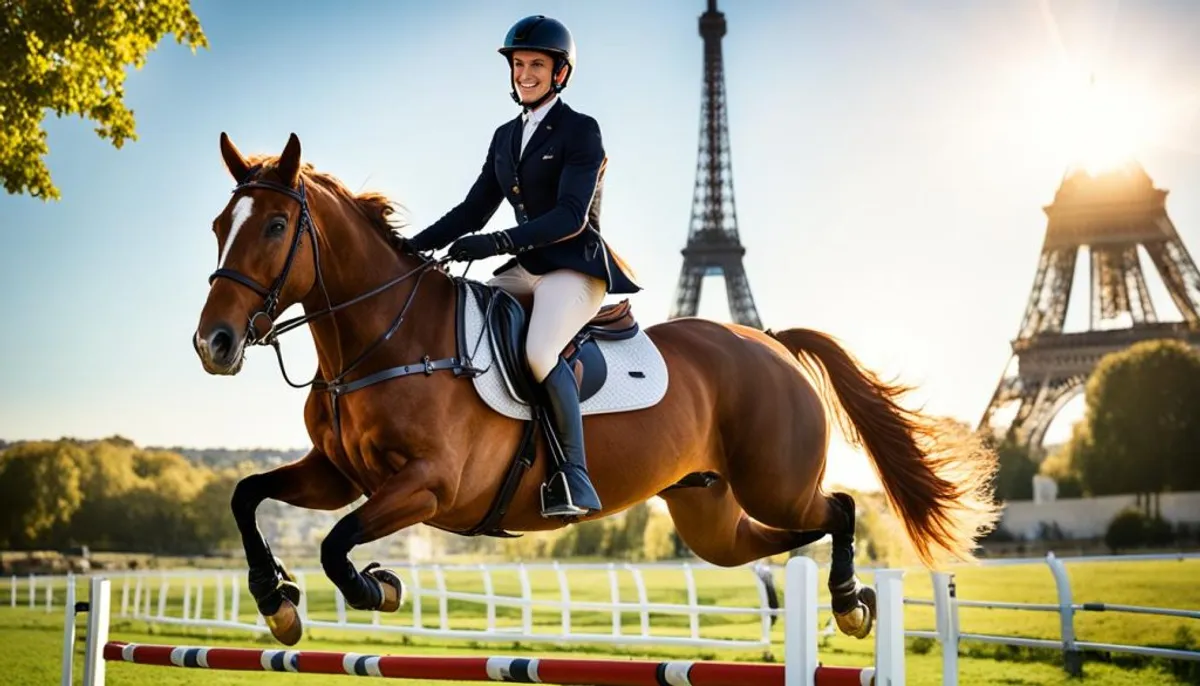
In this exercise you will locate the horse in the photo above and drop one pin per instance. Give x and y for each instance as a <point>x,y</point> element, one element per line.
<point>735,446</point>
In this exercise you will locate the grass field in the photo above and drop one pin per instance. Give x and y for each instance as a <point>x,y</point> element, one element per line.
<point>30,640</point>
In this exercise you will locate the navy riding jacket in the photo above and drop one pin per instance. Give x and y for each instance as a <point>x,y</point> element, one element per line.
<point>554,188</point>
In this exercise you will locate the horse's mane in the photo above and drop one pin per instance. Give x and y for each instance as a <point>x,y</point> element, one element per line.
<point>377,208</point>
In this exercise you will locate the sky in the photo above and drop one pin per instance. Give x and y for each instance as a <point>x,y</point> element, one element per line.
<point>891,161</point>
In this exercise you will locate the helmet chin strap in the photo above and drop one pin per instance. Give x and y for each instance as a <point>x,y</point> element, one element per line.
<point>528,107</point>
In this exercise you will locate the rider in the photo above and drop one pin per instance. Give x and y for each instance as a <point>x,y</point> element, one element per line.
<point>549,164</point>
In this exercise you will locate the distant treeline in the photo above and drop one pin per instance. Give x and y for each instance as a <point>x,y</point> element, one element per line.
<point>225,457</point>
<point>112,495</point>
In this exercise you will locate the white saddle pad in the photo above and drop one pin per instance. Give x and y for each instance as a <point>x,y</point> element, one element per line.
<point>621,392</point>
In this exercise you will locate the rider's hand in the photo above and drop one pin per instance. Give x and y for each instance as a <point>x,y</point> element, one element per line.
<point>476,247</point>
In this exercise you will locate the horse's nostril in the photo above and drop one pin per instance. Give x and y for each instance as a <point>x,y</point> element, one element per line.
<point>221,344</point>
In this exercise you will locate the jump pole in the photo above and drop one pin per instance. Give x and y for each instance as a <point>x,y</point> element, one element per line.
<point>801,665</point>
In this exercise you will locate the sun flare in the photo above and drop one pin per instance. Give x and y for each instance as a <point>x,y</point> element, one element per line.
<point>1098,122</point>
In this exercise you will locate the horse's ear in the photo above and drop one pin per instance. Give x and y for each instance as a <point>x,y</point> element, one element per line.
<point>234,162</point>
<point>289,161</point>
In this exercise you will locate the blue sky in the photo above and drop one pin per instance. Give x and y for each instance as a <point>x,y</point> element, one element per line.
<point>890,161</point>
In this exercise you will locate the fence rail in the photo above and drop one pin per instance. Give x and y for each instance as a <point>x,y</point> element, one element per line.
<point>178,597</point>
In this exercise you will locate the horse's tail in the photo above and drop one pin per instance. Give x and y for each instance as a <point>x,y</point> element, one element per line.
<point>940,488</point>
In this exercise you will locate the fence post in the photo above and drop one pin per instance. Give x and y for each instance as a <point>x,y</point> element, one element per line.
<point>693,603</point>
<point>443,608</point>
<point>68,651</point>
<point>640,584</point>
<point>614,592</point>
<point>97,632</point>
<point>526,599</point>
<point>489,590</point>
<point>125,596</point>
<point>163,588</point>
<point>800,622</point>
<point>564,595</point>
<point>1072,659</point>
<point>889,627</point>
<point>417,621</point>
<point>945,607</point>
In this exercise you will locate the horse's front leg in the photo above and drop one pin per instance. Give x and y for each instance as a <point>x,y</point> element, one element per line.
<point>311,482</point>
<point>409,496</point>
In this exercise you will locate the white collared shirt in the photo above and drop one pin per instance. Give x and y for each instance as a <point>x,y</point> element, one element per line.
<point>533,119</point>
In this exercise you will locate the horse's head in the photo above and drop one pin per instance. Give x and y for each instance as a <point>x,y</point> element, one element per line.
<point>265,236</point>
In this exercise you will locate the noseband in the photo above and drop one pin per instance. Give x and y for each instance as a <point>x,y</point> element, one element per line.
<point>337,385</point>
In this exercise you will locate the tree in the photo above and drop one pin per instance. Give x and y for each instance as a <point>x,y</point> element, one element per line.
<point>71,58</point>
<point>1016,469</point>
<point>39,486</point>
<point>1062,465</point>
<point>1143,421</point>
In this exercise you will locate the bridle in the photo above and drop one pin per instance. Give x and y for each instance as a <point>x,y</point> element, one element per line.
<point>336,386</point>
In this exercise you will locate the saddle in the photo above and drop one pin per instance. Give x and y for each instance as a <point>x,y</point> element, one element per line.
<point>617,369</point>
<point>506,327</point>
<point>617,366</point>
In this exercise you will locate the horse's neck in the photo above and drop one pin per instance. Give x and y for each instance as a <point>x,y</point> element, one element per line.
<point>355,259</point>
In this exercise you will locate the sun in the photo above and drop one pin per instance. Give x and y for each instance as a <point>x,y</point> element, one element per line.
<point>1096,122</point>
<point>1112,128</point>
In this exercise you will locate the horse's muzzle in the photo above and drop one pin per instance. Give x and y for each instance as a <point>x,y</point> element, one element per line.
<point>220,351</point>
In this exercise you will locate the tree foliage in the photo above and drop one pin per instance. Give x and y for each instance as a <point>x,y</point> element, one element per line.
<point>110,495</point>
<point>71,58</point>
<point>40,489</point>
<point>1014,476</point>
<point>1142,425</point>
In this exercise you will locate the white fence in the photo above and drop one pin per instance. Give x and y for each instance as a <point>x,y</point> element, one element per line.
<point>179,597</point>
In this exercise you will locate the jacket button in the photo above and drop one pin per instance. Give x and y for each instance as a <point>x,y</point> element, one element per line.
<point>516,190</point>
<point>521,206</point>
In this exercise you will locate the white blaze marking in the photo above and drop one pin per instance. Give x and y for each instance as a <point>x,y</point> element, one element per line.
<point>241,212</point>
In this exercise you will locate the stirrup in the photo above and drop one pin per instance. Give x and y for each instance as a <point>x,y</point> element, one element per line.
<point>563,509</point>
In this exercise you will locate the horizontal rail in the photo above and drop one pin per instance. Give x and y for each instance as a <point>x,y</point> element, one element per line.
<point>1137,609</point>
<point>1012,641</point>
<point>1140,650</point>
<point>996,605</point>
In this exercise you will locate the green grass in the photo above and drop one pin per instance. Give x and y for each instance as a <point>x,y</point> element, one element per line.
<point>30,640</point>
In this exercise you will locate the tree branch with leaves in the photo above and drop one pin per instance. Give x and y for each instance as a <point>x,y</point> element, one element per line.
<point>70,58</point>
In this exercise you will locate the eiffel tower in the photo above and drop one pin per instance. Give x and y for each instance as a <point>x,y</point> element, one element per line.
<point>713,246</point>
<point>1112,214</point>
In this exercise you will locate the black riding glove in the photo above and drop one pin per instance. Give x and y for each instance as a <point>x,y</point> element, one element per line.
<point>479,246</point>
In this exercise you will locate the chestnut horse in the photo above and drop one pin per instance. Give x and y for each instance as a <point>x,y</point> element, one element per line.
<point>752,409</point>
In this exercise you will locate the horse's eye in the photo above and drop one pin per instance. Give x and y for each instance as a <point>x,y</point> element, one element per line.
<point>276,227</point>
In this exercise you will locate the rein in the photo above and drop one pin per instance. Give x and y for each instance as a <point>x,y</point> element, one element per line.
<point>336,386</point>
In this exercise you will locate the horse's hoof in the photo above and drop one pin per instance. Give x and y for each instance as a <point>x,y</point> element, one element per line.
<point>859,620</point>
<point>391,587</point>
<point>285,624</point>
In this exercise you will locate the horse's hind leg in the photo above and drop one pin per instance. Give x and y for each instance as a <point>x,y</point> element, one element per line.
<point>712,523</point>
<point>716,528</point>
<point>853,603</point>
<point>311,482</point>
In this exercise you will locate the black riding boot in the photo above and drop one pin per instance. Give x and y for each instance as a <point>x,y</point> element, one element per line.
<point>568,493</point>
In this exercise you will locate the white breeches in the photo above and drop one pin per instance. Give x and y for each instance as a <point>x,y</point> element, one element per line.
<point>563,301</point>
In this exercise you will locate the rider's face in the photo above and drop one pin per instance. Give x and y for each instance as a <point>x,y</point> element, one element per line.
<point>532,73</point>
